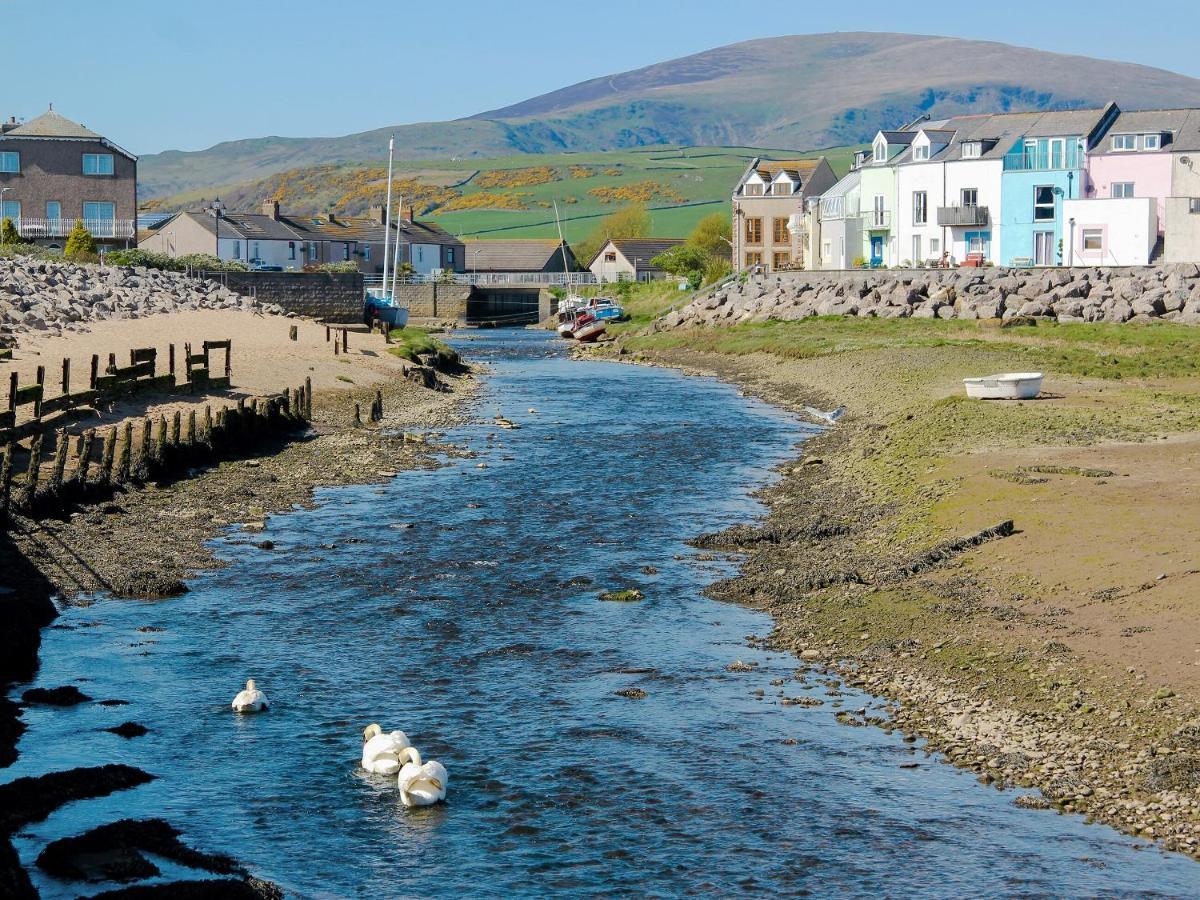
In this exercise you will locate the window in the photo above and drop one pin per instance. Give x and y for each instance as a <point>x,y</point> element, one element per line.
<point>10,209</point>
<point>420,254</point>
<point>779,231</point>
<point>826,250</point>
<point>291,249</point>
<point>1194,206</point>
<point>97,164</point>
<point>880,151</point>
<point>781,261</point>
<point>366,251</point>
<point>921,152</point>
<point>754,231</point>
<point>782,188</point>
<point>753,259</point>
<point>314,251</point>
<point>450,256</point>
<point>1124,142</point>
<point>10,161</point>
<point>1093,240</point>
<point>916,257</point>
<point>1043,204</point>
<point>99,212</point>
<point>754,190</point>
<point>970,197</point>
<point>1122,189</point>
<point>257,251</point>
<point>972,150</point>
<point>345,253</point>
<point>53,209</point>
<point>1152,142</point>
<point>237,249</point>
<point>935,246</point>
<point>920,207</point>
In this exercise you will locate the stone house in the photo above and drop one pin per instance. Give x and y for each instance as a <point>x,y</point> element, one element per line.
<point>769,205</point>
<point>54,172</point>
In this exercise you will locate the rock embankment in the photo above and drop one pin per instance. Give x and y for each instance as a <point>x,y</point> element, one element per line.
<point>1168,293</point>
<point>57,297</point>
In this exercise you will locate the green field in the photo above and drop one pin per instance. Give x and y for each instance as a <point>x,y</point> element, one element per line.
<point>514,196</point>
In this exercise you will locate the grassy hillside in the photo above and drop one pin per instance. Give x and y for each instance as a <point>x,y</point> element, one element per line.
<point>514,196</point>
<point>816,90</point>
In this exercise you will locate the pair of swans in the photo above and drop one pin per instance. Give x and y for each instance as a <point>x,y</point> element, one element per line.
<point>251,700</point>
<point>421,783</point>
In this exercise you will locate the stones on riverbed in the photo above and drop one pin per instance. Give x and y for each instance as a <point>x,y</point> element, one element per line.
<point>577,581</point>
<point>265,545</point>
<point>809,702</point>
<point>113,702</point>
<point>128,730</point>
<point>632,693</point>
<point>811,654</point>
<point>67,695</point>
<point>629,595</point>
<point>1032,801</point>
<point>1164,693</point>
<point>146,585</point>
<point>402,526</point>
<point>740,666</point>
<point>649,570</point>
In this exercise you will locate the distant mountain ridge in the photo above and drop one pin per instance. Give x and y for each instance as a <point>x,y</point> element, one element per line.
<point>803,91</point>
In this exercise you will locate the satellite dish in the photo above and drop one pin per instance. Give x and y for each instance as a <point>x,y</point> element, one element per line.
<point>1185,160</point>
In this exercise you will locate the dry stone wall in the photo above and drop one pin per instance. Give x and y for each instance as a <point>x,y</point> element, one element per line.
<point>1169,293</point>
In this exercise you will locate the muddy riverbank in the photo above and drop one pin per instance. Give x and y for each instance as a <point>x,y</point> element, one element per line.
<point>1056,657</point>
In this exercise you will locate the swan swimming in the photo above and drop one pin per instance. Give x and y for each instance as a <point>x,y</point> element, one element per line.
<point>421,784</point>
<point>381,752</point>
<point>251,700</point>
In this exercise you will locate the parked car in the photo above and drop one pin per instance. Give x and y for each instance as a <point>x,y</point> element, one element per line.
<point>257,265</point>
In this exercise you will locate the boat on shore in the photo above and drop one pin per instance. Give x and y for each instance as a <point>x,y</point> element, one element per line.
<point>1007,386</point>
<point>587,328</point>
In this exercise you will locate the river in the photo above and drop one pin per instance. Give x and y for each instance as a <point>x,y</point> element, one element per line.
<point>474,632</point>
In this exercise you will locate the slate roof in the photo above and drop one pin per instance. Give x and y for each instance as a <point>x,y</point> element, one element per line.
<point>529,255</point>
<point>801,168</point>
<point>352,229</point>
<point>1183,124</point>
<point>51,124</point>
<point>641,249</point>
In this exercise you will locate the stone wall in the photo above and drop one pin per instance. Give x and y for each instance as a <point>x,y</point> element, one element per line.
<point>435,301</point>
<point>328,296</point>
<point>1170,293</point>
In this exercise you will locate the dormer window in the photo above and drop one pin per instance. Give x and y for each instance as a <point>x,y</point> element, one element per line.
<point>1124,142</point>
<point>782,188</point>
<point>1152,142</point>
<point>972,149</point>
<point>880,151</point>
<point>921,152</point>
<point>753,189</point>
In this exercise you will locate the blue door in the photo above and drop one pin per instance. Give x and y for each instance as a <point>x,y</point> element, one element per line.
<point>876,251</point>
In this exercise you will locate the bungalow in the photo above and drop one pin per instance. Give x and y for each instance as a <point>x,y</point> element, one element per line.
<point>770,201</point>
<point>533,256</point>
<point>631,259</point>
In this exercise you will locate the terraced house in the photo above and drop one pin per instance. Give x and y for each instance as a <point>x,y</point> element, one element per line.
<point>769,204</point>
<point>54,171</point>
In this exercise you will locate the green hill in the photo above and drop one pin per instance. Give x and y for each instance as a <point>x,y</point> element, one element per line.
<point>514,196</point>
<point>815,90</point>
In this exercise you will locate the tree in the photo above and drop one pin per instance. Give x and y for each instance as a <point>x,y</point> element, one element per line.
<point>684,261</point>
<point>80,243</point>
<point>712,236</point>
<point>8,232</point>
<point>627,222</point>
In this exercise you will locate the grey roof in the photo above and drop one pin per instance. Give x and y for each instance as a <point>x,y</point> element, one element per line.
<point>51,124</point>
<point>1182,124</point>
<point>1066,123</point>
<point>350,229</point>
<point>845,185</point>
<point>531,255</point>
<point>900,137</point>
<point>640,251</point>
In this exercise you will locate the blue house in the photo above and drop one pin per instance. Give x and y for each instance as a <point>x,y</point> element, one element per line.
<point>1046,166</point>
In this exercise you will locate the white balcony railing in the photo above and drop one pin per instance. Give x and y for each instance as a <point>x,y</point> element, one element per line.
<point>54,228</point>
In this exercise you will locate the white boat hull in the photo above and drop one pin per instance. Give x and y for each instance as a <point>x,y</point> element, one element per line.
<point>1007,386</point>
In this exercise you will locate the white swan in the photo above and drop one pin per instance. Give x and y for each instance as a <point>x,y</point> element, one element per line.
<point>251,700</point>
<point>421,785</point>
<point>381,752</point>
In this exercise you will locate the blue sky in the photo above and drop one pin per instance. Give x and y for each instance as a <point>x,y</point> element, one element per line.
<point>184,74</point>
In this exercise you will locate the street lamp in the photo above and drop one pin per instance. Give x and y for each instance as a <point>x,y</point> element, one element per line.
<point>475,265</point>
<point>216,208</point>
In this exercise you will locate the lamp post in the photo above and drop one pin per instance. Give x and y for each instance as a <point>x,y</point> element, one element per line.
<point>216,208</point>
<point>475,266</point>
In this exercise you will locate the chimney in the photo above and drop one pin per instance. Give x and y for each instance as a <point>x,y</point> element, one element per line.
<point>9,125</point>
<point>271,208</point>
<point>376,214</point>
<point>330,216</point>
<point>409,214</point>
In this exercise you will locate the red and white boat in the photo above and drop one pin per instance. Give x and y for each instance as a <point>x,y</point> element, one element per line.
<point>587,328</point>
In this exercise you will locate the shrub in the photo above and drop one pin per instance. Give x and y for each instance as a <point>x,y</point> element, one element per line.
<point>343,266</point>
<point>712,236</point>
<point>81,246</point>
<point>716,270</point>
<point>8,232</point>
<point>860,262</point>
<point>145,258</point>
<point>13,250</point>
<point>209,263</point>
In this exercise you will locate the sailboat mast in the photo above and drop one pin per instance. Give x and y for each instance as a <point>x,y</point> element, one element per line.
<point>396,257</point>
<point>387,215</point>
<point>562,245</point>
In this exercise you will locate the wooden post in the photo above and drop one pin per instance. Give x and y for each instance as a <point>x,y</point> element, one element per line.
<point>308,398</point>
<point>294,333</point>
<point>142,469</point>
<point>229,358</point>
<point>6,480</point>
<point>125,459</point>
<point>345,340</point>
<point>60,461</point>
<point>35,468</point>
<point>160,441</point>
<point>171,359</point>
<point>112,364</point>
<point>12,392</point>
<point>85,456</point>
<point>357,416</point>
<point>66,376</point>
<point>95,371</point>
<point>207,362</point>
<point>106,458</point>
<point>337,347</point>
<point>327,334</point>
<point>187,362</point>
<point>208,424</point>
<point>176,421</point>
<point>41,382</point>
<point>190,434</point>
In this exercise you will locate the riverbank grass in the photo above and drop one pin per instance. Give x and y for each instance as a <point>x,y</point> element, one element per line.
<point>412,343</point>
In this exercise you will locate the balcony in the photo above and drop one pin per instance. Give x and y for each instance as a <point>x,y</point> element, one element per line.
<point>877,219</point>
<point>958,216</point>
<point>60,228</point>
<point>1058,157</point>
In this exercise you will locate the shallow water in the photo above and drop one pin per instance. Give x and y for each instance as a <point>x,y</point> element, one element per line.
<point>467,632</point>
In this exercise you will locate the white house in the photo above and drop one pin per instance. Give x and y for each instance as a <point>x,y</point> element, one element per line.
<point>1110,231</point>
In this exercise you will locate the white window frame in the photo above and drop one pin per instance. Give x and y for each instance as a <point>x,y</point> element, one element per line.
<point>107,215</point>
<point>921,152</point>
<point>1052,206</point>
<point>1124,142</point>
<point>972,149</point>
<point>1088,233</point>
<point>53,210</point>
<point>973,202</point>
<point>1122,190</point>
<point>916,248</point>
<point>102,164</point>
<point>10,162</point>
<point>920,207</point>
<point>879,151</point>
<point>935,247</point>
<point>1152,142</point>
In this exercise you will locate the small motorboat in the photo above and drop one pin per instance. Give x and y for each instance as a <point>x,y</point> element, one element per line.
<point>588,328</point>
<point>606,309</point>
<point>1007,386</point>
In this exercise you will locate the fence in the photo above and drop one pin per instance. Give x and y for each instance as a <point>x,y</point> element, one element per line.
<point>160,448</point>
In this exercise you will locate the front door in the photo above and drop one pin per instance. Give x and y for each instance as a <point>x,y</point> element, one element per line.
<point>876,250</point>
<point>1043,248</point>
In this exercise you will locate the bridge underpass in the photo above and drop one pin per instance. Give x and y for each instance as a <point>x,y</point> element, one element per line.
<point>503,305</point>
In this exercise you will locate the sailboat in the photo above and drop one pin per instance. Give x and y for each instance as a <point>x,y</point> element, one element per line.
<point>383,304</point>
